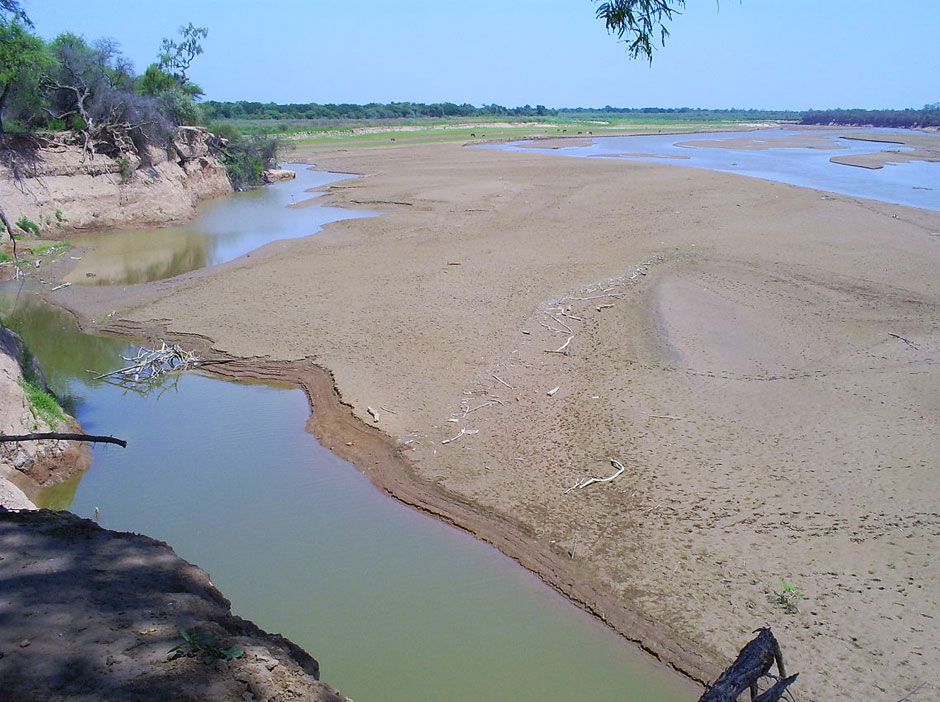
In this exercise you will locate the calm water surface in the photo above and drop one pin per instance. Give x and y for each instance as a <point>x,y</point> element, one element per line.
<point>916,184</point>
<point>224,229</point>
<point>394,605</point>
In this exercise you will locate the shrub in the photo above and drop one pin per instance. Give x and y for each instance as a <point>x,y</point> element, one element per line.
<point>248,157</point>
<point>126,169</point>
<point>28,225</point>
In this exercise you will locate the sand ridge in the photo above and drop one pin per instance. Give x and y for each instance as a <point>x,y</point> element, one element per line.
<point>770,425</point>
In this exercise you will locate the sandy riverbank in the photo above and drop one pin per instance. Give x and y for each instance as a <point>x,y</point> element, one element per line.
<point>770,425</point>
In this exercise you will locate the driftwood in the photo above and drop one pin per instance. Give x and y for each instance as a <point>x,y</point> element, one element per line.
<point>561,349</point>
<point>590,481</point>
<point>66,437</point>
<point>904,339</point>
<point>150,364</point>
<point>753,662</point>
<point>463,432</point>
<point>500,380</point>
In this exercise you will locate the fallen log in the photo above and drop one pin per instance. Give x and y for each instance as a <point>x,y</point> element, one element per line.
<point>89,438</point>
<point>753,662</point>
<point>774,693</point>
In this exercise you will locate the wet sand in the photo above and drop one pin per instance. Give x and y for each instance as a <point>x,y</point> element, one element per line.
<point>728,340</point>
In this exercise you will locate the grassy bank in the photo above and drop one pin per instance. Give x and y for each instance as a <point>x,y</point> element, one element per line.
<point>329,134</point>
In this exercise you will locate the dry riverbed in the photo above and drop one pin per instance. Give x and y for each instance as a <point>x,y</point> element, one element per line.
<point>761,358</point>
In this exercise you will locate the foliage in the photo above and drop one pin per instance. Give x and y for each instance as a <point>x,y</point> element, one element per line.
<point>177,57</point>
<point>929,116</point>
<point>155,81</point>
<point>125,168</point>
<point>248,157</point>
<point>28,225</point>
<point>92,83</point>
<point>788,596</point>
<point>244,110</point>
<point>12,11</point>
<point>202,643</point>
<point>43,405</point>
<point>179,106</point>
<point>225,130</point>
<point>23,58</point>
<point>638,21</point>
<point>71,83</point>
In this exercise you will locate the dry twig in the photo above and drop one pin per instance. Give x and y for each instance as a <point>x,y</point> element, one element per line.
<point>561,349</point>
<point>590,481</point>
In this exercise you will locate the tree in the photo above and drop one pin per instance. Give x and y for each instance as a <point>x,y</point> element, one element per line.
<point>638,22</point>
<point>12,11</point>
<point>93,84</point>
<point>155,81</point>
<point>177,57</point>
<point>23,57</point>
<point>91,87</point>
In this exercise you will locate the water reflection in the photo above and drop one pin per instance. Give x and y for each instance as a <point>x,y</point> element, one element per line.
<point>67,356</point>
<point>223,230</point>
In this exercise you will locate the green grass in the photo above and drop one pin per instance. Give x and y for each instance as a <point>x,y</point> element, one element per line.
<point>60,246</point>
<point>372,132</point>
<point>401,132</point>
<point>43,405</point>
<point>5,257</point>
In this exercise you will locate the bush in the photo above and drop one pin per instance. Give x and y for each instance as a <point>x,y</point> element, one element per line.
<point>126,170</point>
<point>246,159</point>
<point>28,225</point>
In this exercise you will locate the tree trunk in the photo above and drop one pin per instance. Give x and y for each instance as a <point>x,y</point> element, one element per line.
<point>66,437</point>
<point>3,102</point>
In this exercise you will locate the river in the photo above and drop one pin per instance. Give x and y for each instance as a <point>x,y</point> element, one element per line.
<point>394,605</point>
<point>916,184</point>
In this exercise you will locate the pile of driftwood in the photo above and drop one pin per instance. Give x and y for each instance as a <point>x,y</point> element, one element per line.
<point>753,662</point>
<point>149,365</point>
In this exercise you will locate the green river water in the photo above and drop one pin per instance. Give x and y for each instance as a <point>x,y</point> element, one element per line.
<point>395,605</point>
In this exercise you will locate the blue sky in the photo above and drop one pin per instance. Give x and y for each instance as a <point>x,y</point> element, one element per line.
<point>773,54</point>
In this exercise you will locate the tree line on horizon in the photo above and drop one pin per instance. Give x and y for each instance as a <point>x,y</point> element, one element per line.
<point>249,110</point>
<point>928,116</point>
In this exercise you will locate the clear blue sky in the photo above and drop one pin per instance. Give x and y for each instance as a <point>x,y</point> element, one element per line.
<point>795,54</point>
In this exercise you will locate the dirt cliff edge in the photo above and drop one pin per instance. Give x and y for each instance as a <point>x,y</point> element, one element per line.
<point>63,185</point>
<point>92,614</point>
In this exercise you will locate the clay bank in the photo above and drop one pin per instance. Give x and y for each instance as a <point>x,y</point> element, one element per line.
<point>63,186</point>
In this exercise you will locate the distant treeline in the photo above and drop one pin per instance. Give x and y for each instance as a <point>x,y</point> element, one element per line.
<point>929,116</point>
<point>214,110</point>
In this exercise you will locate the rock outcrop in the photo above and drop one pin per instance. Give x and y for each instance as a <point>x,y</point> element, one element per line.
<point>91,614</point>
<point>275,175</point>
<point>63,186</point>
